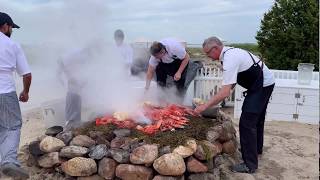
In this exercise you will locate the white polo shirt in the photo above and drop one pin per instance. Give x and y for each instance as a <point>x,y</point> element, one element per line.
<point>174,48</point>
<point>73,65</point>
<point>237,60</point>
<point>12,59</point>
<point>126,53</point>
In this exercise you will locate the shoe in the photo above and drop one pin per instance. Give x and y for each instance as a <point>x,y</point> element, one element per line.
<point>12,170</point>
<point>70,125</point>
<point>242,168</point>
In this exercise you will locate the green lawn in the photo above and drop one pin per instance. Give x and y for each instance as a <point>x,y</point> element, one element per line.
<point>196,52</point>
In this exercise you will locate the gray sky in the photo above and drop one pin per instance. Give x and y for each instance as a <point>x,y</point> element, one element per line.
<point>189,20</point>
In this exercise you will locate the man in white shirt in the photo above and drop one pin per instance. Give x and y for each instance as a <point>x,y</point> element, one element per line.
<point>246,69</point>
<point>168,58</point>
<point>12,59</point>
<point>71,72</point>
<point>124,49</point>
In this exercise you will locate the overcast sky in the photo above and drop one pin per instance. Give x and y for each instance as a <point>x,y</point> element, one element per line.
<point>189,20</point>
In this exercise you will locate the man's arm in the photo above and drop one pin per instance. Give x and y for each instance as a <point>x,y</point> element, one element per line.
<point>183,65</point>
<point>149,77</point>
<point>221,95</point>
<point>22,68</point>
<point>24,95</point>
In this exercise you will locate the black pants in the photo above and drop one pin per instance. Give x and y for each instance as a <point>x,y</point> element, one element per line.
<point>169,69</point>
<point>251,131</point>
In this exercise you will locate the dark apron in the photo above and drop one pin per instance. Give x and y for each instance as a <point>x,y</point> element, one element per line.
<point>170,69</point>
<point>252,80</point>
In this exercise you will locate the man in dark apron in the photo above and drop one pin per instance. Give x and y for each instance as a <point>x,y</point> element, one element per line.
<point>169,58</point>
<point>248,71</point>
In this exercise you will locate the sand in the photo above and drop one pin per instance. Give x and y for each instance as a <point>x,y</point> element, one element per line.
<point>291,149</point>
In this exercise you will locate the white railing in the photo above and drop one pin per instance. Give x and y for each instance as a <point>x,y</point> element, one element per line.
<point>208,82</point>
<point>283,74</point>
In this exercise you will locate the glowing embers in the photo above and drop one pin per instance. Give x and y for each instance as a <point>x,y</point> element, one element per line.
<point>161,118</point>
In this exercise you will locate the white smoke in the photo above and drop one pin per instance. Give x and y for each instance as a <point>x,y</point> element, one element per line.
<point>63,27</point>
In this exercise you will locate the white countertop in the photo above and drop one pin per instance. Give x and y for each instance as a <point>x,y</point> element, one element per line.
<point>294,84</point>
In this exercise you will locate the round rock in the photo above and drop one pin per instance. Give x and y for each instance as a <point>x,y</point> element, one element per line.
<point>66,137</point>
<point>145,154</point>
<point>120,155</point>
<point>98,152</point>
<point>183,151</point>
<point>159,177</point>
<point>82,140</point>
<point>73,151</point>
<point>171,164</point>
<point>79,166</point>
<point>107,168</point>
<point>34,149</point>
<point>164,150</point>
<point>207,150</point>
<point>229,147</point>
<point>54,130</point>
<point>49,160</point>
<point>51,144</point>
<point>133,172</point>
<point>195,166</point>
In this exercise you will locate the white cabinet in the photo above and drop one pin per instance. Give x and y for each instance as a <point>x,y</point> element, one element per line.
<point>282,104</point>
<point>288,102</point>
<point>308,106</point>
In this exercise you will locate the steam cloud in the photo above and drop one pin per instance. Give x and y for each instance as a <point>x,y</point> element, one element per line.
<point>67,26</point>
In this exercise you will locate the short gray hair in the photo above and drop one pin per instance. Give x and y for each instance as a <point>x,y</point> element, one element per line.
<point>212,41</point>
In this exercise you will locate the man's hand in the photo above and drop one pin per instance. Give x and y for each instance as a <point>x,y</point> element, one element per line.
<point>149,77</point>
<point>24,96</point>
<point>201,108</point>
<point>177,76</point>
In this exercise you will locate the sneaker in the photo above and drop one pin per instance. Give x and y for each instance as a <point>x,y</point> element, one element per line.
<point>12,170</point>
<point>242,168</point>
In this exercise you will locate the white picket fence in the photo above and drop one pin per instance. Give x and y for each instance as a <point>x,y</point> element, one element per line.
<point>208,82</point>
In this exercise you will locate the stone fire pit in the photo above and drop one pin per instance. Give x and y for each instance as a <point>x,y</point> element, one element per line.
<point>202,150</point>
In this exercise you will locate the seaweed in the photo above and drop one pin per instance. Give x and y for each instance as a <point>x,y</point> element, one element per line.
<point>197,128</point>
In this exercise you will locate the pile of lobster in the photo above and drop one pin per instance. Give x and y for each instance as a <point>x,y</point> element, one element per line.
<point>162,119</point>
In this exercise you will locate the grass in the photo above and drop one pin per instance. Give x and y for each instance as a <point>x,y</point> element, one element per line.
<point>196,52</point>
<point>91,126</point>
<point>247,46</point>
<point>196,129</point>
